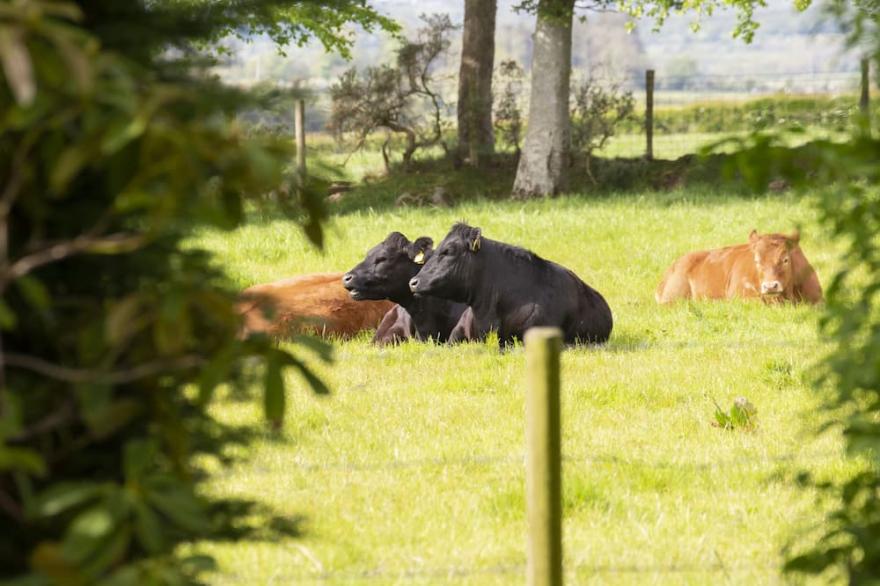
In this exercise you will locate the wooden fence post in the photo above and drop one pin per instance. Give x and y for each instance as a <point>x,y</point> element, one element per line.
<point>300,130</point>
<point>543,460</point>
<point>649,114</point>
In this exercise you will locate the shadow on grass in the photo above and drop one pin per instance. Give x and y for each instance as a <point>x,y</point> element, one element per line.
<point>262,522</point>
<point>667,179</point>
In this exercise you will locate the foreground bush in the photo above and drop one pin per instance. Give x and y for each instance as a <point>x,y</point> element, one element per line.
<point>114,335</point>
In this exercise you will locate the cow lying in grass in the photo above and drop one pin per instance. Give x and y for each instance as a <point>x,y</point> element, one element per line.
<point>511,289</point>
<point>316,303</point>
<point>770,267</point>
<point>385,273</point>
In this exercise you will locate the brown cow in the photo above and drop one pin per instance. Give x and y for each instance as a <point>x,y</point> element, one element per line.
<point>771,267</point>
<point>316,303</point>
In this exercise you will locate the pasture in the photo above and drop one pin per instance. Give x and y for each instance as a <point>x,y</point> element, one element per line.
<point>412,470</point>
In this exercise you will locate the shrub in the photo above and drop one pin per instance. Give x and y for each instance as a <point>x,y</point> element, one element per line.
<point>507,115</point>
<point>596,115</point>
<point>399,98</point>
<point>114,336</point>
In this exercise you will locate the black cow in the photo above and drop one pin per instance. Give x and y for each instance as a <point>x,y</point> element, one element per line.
<point>511,289</point>
<point>385,274</point>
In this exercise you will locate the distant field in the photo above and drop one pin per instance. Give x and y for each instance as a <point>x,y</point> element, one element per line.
<point>412,471</point>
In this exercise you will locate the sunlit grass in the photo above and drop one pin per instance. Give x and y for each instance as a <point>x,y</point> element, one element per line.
<point>412,470</point>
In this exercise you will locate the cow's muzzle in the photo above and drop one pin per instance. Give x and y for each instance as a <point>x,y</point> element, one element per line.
<point>771,288</point>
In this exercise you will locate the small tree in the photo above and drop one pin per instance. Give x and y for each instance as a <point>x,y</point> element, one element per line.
<point>508,115</point>
<point>399,98</point>
<point>596,112</point>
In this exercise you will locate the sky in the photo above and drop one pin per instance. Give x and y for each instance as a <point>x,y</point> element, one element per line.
<point>787,45</point>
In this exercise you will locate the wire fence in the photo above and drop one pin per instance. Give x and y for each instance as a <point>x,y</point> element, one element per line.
<point>507,570</point>
<point>689,111</point>
<point>693,111</point>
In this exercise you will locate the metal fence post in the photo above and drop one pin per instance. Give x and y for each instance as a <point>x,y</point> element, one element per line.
<point>649,114</point>
<point>543,460</point>
<point>299,108</point>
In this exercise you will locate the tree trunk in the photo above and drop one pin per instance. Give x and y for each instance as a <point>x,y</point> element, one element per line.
<point>475,133</point>
<point>543,165</point>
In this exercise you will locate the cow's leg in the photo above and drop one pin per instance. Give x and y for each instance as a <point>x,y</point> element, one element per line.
<point>482,325</point>
<point>395,327</point>
<point>464,330</point>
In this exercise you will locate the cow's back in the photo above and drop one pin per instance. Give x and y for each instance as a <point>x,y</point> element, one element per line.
<point>314,303</point>
<point>593,321</point>
<point>720,273</point>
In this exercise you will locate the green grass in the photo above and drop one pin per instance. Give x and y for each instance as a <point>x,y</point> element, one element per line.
<point>412,471</point>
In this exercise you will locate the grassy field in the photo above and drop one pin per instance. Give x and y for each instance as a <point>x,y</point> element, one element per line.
<point>412,471</point>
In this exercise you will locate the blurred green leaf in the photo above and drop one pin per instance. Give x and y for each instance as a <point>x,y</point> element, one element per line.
<point>148,528</point>
<point>24,459</point>
<point>16,62</point>
<point>87,532</point>
<point>65,495</point>
<point>34,292</point>
<point>109,552</point>
<point>177,502</point>
<point>121,321</point>
<point>68,165</point>
<point>7,317</point>
<point>48,560</point>
<point>322,348</point>
<point>139,456</point>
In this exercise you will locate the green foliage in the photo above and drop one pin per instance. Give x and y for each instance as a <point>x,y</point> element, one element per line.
<point>742,415</point>
<point>398,98</point>
<point>596,114</point>
<point>848,198</point>
<point>507,113</point>
<point>660,10</point>
<point>142,28</point>
<point>770,113</point>
<point>114,336</point>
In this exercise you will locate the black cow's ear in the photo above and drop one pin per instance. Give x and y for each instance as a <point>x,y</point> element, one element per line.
<point>423,243</point>
<point>474,239</point>
<point>418,250</point>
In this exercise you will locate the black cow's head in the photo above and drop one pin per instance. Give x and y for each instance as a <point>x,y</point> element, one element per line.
<point>449,271</point>
<point>387,268</point>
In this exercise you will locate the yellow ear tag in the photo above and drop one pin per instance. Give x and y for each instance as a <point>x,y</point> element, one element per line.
<point>420,258</point>
<point>475,245</point>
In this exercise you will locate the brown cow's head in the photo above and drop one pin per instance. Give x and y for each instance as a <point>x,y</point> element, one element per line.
<point>773,262</point>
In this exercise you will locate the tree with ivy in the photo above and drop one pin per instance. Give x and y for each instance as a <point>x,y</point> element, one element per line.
<point>114,335</point>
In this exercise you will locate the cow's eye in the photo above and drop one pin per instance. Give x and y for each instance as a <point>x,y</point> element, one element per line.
<point>785,261</point>
<point>380,260</point>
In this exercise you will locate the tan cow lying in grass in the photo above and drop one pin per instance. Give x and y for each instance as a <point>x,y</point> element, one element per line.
<point>771,267</point>
<point>316,303</point>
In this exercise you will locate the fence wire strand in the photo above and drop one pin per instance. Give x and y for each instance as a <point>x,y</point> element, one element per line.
<point>452,573</point>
